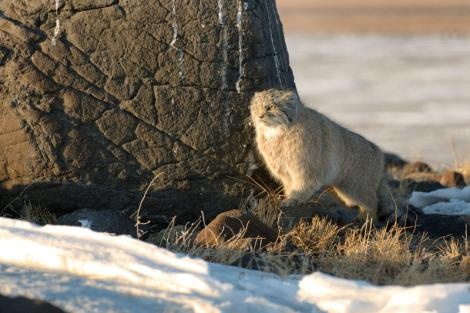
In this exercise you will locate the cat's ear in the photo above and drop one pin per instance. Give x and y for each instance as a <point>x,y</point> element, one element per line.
<point>290,97</point>
<point>291,103</point>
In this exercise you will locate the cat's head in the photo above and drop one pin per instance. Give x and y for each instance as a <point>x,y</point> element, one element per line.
<point>274,107</point>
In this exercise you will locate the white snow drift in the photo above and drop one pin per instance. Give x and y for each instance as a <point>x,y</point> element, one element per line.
<point>449,201</point>
<point>83,271</point>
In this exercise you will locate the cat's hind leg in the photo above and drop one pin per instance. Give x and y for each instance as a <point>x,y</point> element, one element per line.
<point>363,196</point>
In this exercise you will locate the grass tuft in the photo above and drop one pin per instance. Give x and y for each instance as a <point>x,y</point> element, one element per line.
<point>384,256</point>
<point>29,212</point>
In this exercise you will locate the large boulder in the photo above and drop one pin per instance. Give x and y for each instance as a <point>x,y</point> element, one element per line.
<point>99,97</point>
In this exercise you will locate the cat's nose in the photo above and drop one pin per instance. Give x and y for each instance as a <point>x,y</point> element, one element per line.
<point>262,115</point>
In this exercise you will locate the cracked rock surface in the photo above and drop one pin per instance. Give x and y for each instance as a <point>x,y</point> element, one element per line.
<point>132,89</point>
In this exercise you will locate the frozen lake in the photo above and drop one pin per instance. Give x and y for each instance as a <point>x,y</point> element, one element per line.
<point>409,94</point>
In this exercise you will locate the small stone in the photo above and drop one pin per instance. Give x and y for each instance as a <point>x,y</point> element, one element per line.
<point>453,179</point>
<point>227,225</point>
<point>167,236</point>
<point>108,221</point>
<point>417,167</point>
<point>422,186</point>
<point>437,226</point>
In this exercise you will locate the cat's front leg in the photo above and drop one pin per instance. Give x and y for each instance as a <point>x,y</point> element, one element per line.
<point>299,192</point>
<point>294,208</point>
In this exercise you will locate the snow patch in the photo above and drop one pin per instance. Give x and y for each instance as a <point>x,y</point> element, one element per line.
<point>85,223</point>
<point>449,201</point>
<point>338,295</point>
<point>82,271</point>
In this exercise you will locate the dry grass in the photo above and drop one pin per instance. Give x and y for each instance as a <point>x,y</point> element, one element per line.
<point>38,215</point>
<point>383,256</point>
<point>388,255</point>
<point>391,255</point>
<point>29,212</point>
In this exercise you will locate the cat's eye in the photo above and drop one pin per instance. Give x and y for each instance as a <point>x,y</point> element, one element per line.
<point>269,108</point>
